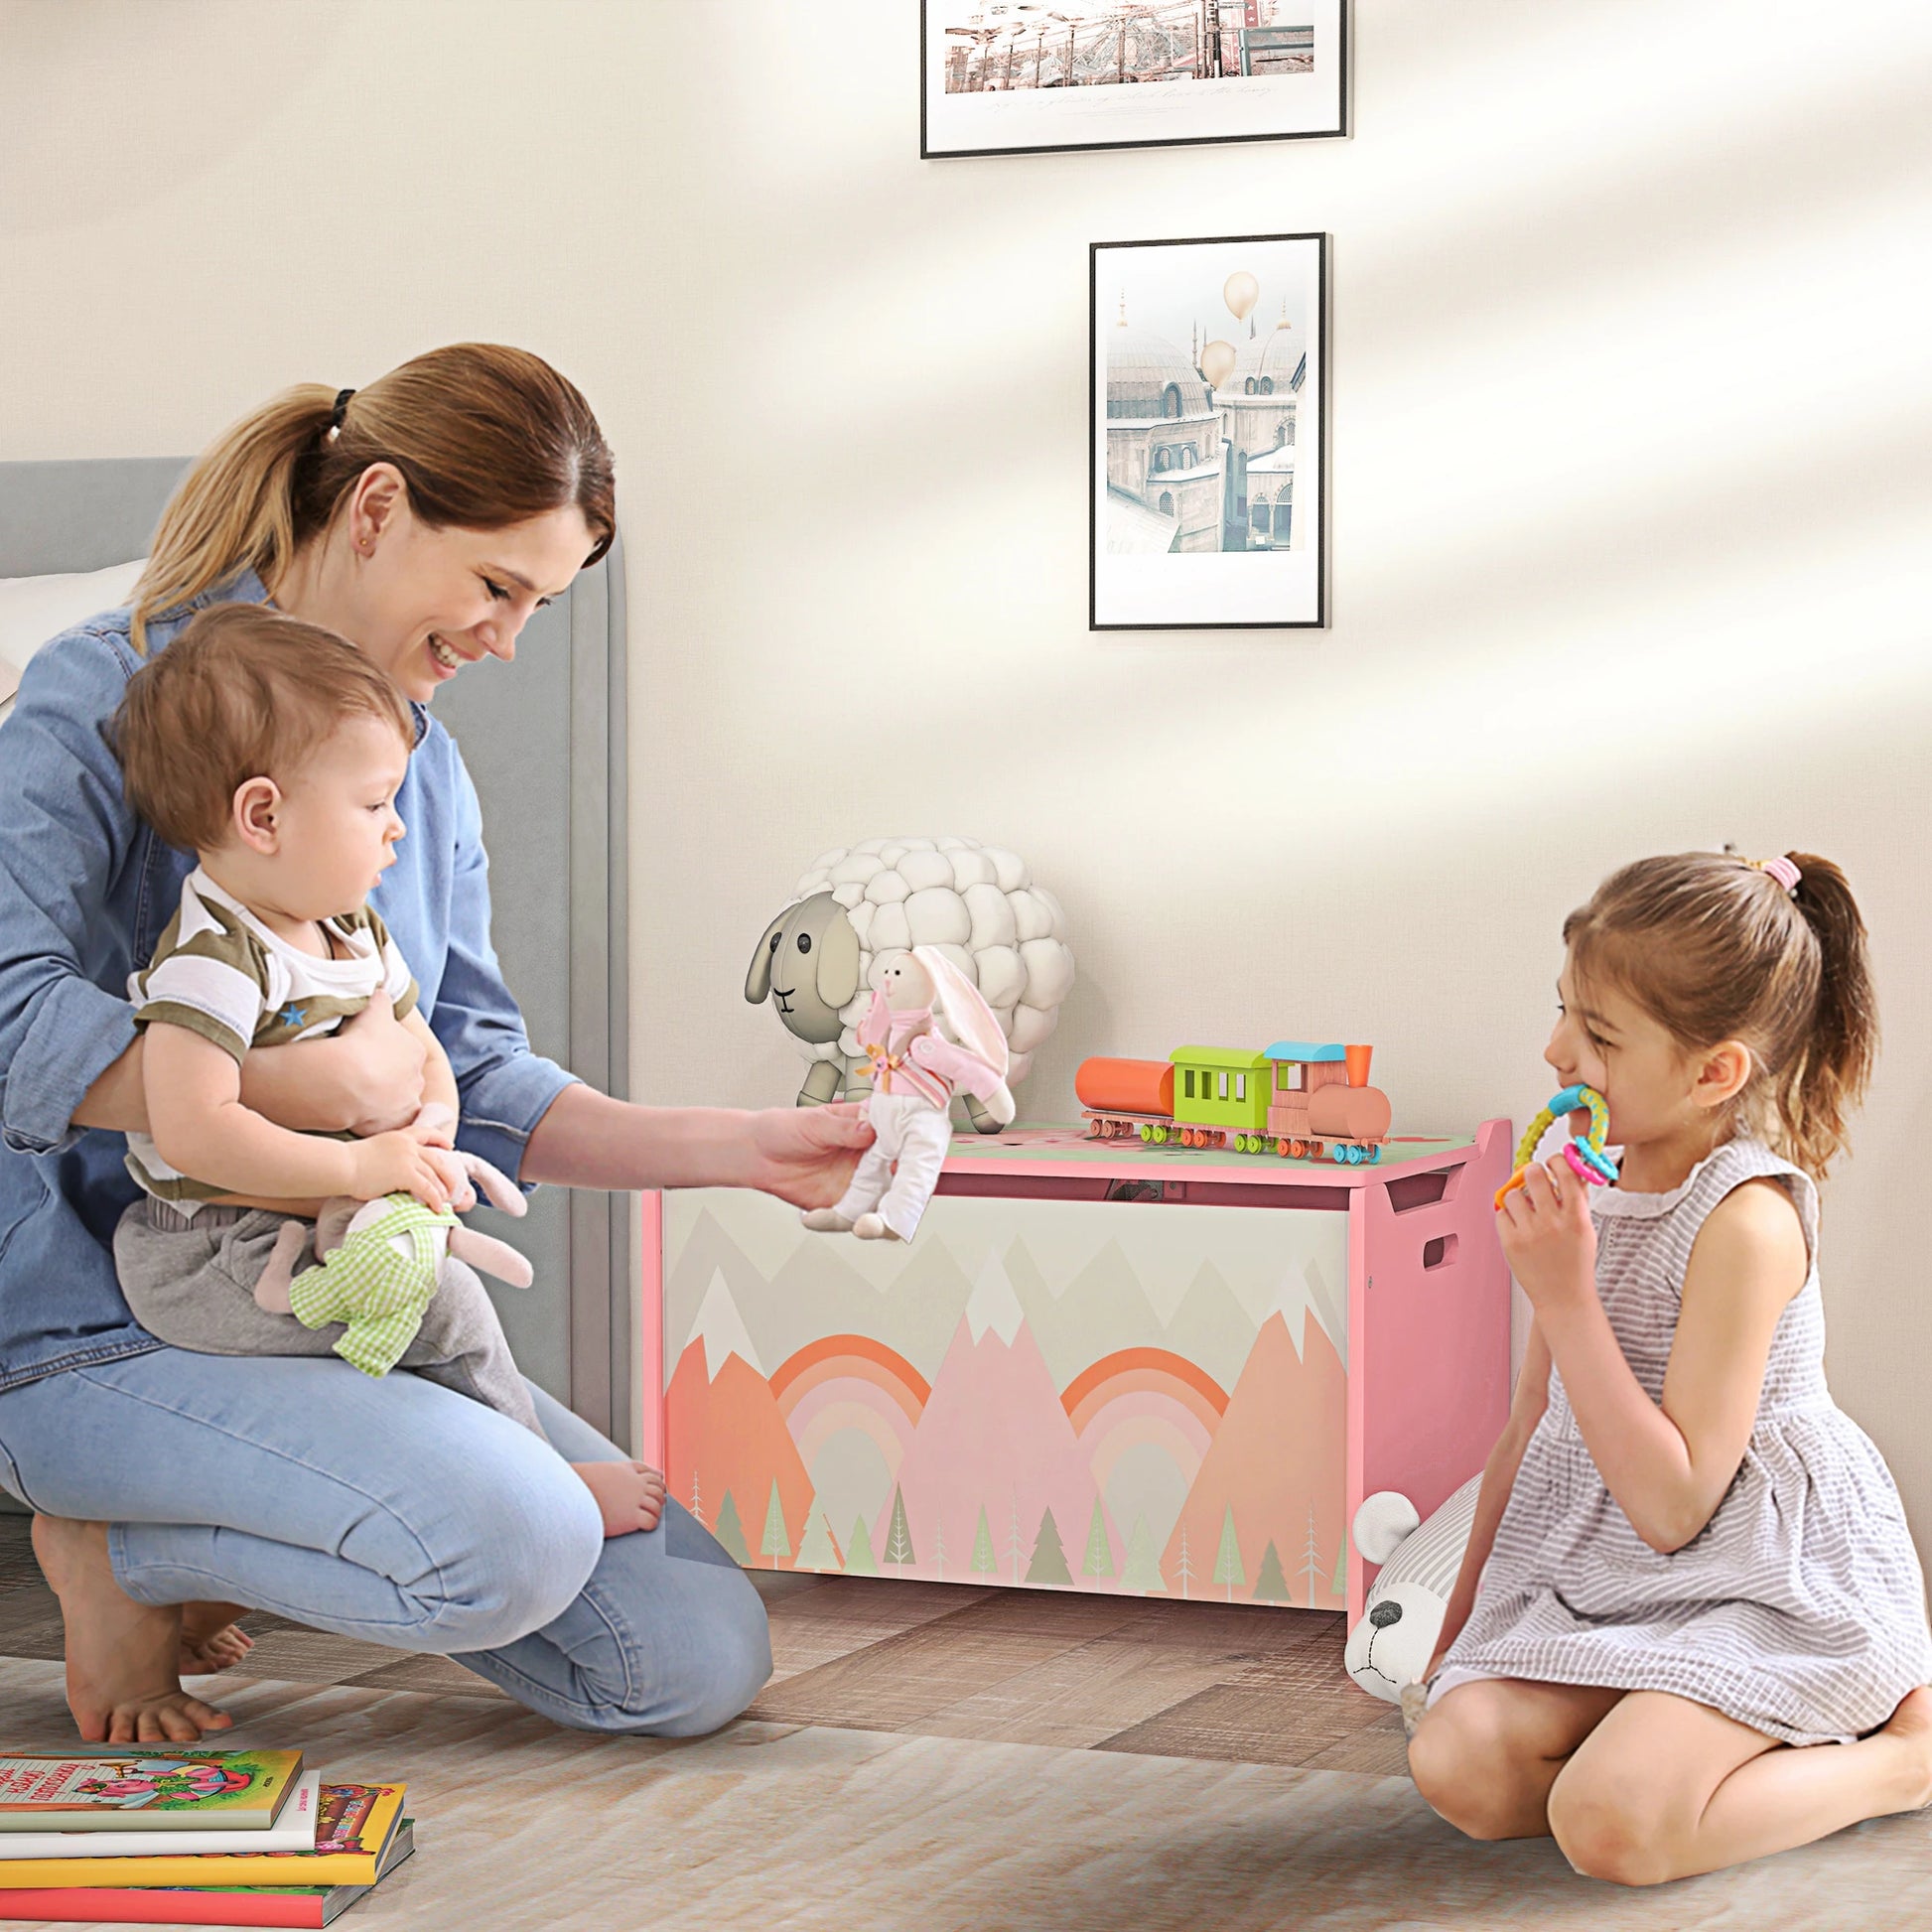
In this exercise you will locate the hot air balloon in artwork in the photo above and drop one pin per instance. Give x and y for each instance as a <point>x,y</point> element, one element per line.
<point>1217,363</point>
<point>1240,292</point>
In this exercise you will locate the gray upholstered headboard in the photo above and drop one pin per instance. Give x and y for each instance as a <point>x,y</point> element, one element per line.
<point>544,739</point>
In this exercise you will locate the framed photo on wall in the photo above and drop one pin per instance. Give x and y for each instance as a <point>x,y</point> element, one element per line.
<point>1033,77</point>
<point>1208,429</point>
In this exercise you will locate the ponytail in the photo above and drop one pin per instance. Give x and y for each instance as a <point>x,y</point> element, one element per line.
<point>1825,1080</point>
<point>1716,947</point>
<point>483,436</point>
<point>234,510</point>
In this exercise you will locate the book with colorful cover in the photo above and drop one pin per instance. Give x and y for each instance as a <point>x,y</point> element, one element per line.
<point>144,1788</point>
<point>301,1906</point>
<point>355,1825</point>
<point>293,1831</point>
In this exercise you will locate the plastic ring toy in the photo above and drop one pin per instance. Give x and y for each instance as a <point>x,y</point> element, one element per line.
<point>1584,1152</point>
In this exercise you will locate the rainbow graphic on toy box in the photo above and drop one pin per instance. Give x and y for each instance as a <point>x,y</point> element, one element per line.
<point>1090,1402</point>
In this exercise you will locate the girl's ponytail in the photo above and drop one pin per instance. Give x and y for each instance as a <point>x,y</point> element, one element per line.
<point>235,509</point>
<point>1717,947</point>
<point>1825,1080</point>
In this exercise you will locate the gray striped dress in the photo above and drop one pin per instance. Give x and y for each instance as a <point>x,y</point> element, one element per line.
<point>1798,1609</point>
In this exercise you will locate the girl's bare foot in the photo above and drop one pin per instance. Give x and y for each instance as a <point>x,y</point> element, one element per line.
<point>630,1495</point>
<point>1910,1727</point>
<point>122,1656</point>
<point>210,1639</point>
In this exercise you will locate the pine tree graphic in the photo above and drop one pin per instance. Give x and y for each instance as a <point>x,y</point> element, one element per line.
<point>1141,1572</point>
<point>1049,1559</point>
<point>697,1506</point>
<point>859,1560</point>
<point>1271,1586</point>
<point>731,1532</point>
<point>1013,1537</point>
<point>899,1539</point>
<point>819,1550</point>
<point>777,1542</point>
<point>939,1547</point>
<point>1099,1558</point>
<point>1338,1583</point>
<point>1227,1558</point>
<point>1183,1567</point>
<point>984,1560</point>
<point>1312,1564</point>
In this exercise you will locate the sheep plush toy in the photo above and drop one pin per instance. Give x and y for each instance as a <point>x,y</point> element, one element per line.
<point>975,903</point>
<point>914,1069</point>
<point>1391,1646</point>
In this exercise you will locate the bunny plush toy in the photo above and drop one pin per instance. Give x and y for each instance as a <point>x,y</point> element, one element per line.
<point>916,1070</point>
<point>380,1261</point>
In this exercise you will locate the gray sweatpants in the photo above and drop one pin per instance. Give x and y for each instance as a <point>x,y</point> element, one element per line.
<point>191,1283</point>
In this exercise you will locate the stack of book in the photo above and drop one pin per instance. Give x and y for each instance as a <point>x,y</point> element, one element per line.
<point>167,1834</point>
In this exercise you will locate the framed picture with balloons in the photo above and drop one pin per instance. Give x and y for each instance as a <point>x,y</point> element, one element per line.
<point>1208,432</point>
<point>1030,76</point>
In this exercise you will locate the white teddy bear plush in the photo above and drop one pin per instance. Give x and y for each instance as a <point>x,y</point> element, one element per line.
<point>1392,1644</point>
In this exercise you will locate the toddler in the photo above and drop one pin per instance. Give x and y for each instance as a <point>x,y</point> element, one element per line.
<point>274,751</point>
<point>1690,1626</point>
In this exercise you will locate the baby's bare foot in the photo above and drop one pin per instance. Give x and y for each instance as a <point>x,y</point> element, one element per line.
<point>122,1656</point>
<point>1910,1729</point>
<point>210,1639</point>
<point>629,1495</point>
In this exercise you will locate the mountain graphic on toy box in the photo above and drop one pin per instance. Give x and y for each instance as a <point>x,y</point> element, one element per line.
<point>1142,1474</point>
<point>994,1437</point>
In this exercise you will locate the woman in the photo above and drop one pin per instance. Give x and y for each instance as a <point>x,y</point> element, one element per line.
<point>424,518</point>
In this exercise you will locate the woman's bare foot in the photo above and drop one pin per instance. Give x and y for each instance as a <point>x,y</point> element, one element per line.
<point>630,1495</point>
<point>1910,1729</point>
<point>210,1639</point>
<point>122,1656</point>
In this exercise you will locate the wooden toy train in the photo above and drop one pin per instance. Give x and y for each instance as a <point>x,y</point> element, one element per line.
<point>1298,1099</point>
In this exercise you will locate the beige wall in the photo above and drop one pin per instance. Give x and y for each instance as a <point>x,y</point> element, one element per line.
<point>1630,507</point>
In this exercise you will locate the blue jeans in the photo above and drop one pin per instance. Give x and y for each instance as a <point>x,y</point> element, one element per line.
<point>397,1511</point>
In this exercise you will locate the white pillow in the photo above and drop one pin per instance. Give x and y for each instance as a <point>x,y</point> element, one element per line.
<point>36,609</point>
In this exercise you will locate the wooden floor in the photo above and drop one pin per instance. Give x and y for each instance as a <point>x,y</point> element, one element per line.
<point>1234,1681</point>
<point>944,1759</point>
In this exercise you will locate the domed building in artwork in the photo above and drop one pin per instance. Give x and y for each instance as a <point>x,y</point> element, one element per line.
<point>1163,445</point>
<point>1258,402</point>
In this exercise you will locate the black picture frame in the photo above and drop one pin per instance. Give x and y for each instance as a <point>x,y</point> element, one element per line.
<point>1247,119</point>
<point>1174,602</point>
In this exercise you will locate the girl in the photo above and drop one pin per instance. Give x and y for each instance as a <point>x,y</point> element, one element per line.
<point>423,518</point>
<point>1686,1559</point>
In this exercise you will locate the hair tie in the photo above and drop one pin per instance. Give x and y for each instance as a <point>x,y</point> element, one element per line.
<point>341,410</point>
<point>1782,870</point>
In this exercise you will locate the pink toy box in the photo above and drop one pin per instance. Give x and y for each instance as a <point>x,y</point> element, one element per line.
<point>1099,1367</point>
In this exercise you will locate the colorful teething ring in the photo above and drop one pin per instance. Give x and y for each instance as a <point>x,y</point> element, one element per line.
<point>1584,1152</point>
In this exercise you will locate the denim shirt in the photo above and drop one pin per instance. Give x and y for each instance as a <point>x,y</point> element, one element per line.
<point>86,892</point>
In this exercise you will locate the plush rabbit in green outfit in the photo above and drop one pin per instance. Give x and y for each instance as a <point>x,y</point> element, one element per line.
<point>380,1264</point>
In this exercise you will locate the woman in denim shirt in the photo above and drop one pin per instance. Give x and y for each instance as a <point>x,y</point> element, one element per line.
<point>425,518</point>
